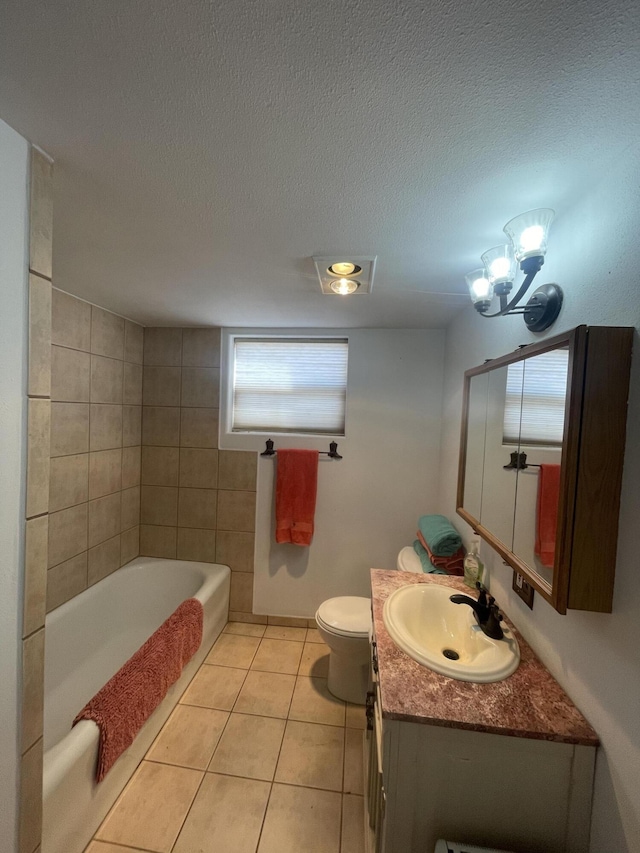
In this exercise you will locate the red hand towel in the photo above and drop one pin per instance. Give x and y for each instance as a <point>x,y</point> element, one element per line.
<point>547,516</point>
<point>296,487</point>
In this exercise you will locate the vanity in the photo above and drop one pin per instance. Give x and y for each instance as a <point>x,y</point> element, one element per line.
<point>507,764</point>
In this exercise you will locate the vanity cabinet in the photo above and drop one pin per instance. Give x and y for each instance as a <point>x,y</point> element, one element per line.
<point>507,765</point>
<point>560,403</point>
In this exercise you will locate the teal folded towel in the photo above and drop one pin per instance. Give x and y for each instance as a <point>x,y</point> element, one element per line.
<point>427,565</point>
<point>440,535</point>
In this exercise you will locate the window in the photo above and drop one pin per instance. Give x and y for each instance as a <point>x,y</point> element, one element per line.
<point>535,399</point>
<point>289,385</point>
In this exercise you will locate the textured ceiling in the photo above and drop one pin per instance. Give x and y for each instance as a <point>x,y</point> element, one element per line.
<point>205,151</point>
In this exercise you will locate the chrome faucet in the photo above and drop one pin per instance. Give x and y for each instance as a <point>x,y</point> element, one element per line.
<point>486,611</point>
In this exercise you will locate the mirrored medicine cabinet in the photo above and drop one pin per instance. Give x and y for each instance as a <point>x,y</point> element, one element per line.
<point>541,455</point>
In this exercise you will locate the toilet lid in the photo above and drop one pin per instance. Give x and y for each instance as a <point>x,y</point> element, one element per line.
<point>408,561</point>
<point>348,615</point>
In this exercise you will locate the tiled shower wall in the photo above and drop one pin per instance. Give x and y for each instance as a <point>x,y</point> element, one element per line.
<point>96,410</point>
<point>197,502</point>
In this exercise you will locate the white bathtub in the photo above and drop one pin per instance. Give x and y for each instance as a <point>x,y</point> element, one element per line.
<point>87,640</point>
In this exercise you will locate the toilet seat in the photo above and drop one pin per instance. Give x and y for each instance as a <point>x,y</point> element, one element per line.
<point>346,616</point>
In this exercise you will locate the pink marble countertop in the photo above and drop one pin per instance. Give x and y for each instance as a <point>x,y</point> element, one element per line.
<point>530,703</point>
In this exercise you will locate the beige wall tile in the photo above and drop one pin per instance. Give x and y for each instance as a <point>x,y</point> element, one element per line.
<point>70,371</point>
<point>152,808</point>
<point>70,321</point>
<point>158,541</point>
<point>161,426</point>
<point>66,580</point>
<point>132,394</point>
<point>198,468</point>
<point>104,518</point>
<point>161,386</point>
<point>232,756</point>
<point>199,428</point>
<point>200,387</point>
<point>130,510</point>
<point>39,425</point>
<point>197,508</point>
<point>105,472</point>
<point>103,560</point>
<point>241,595</point>
<point>189,737</point>
<point>68,481</point>
<point>236,510</point>
<point>235,549</point>
<point>130,467</point>
<point>208,827</point>
<point>133,342</point>
<point>311,755</point>
<point>41,215</point>
<point>105,431</point>
<point>69,428</point>
<point>163,347</point>
<point>30,829</point>
<point>35,574</point>
<point>106,380</point>
<point>107,333</point>
<point>159,505</point>
<point>201,347</point>
<point>160,466</point>
<point>198,545</point>
<point>32,688</point>
<point>39,337</point>
<point>249,618</point>
<point>129,545</point>
<point>131,425</point>
<point>237,469</point>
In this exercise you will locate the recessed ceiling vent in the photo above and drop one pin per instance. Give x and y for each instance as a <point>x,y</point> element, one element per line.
<point>343,275</point>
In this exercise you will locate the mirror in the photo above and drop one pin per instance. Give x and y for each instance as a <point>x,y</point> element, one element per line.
<point>542,443</point>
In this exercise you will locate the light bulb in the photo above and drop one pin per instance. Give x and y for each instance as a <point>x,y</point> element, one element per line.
<point>529,233</point>
<point>344,286</point>
<point>480,288</point>
<point>342,268</point>
<point>531,238</point>
<point>500,268</point>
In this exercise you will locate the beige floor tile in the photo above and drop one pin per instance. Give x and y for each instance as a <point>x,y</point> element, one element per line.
<point>267,694</point>
<point>226,816</point>
<point>312,756</point>
<point>352,824</point>
<point>353,772</point>
<point>278,656</point>
<point>301,819</point>
<point>246,629</point>
<point>189,737</point>
<point>284,632</point>
<point>313,636</point>
<point>315,660</point>
<point>229,650</point>
<point>356,718</point>
<point>214,687</point>
<point>312,703</point>
<point>249,747</point>
<point>103,847</point>
<point>150,811</point>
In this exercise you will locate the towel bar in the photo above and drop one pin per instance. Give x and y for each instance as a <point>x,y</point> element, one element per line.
<point>332,453</point>
<point>518,461</point>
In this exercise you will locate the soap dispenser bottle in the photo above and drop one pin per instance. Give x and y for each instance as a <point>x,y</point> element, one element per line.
<point>473,566</point>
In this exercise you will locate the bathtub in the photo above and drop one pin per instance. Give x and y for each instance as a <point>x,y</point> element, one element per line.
<point>87,641</point>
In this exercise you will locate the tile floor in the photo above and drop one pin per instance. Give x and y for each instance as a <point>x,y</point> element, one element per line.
<point>257,757</point>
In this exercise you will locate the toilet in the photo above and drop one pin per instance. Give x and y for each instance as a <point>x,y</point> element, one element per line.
<point>344,624</point>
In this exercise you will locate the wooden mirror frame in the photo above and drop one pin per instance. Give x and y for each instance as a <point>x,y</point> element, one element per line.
<point>591,473</point>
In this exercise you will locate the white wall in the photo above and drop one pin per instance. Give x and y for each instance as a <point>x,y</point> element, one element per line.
<point>593,255</point>
<point>14,152</point>
<point>369,502</point>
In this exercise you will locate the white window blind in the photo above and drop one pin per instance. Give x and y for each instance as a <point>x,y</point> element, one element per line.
<point>535,398</point>
<point>287,385</point>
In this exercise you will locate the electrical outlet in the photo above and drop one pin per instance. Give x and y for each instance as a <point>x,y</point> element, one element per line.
<point>523,589</point>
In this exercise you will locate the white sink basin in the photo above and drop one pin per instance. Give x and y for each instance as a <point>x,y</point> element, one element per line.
<point>432,630</point>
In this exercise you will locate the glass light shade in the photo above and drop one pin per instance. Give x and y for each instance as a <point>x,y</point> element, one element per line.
<point>500,264</point>
<point>344,286</point>
<point>480,288</point>
<point>529,232</point>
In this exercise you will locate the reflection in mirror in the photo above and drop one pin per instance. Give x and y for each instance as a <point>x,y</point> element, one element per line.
<point>499,486</point>
<point>474,465</point>
<point>544,384</point>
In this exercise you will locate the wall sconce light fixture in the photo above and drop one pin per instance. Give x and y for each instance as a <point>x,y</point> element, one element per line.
<point>528,235</point>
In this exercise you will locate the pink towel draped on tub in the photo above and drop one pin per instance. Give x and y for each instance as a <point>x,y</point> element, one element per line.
<point>296,487</point>
<point>127,700</point>
<point>547,514</point>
